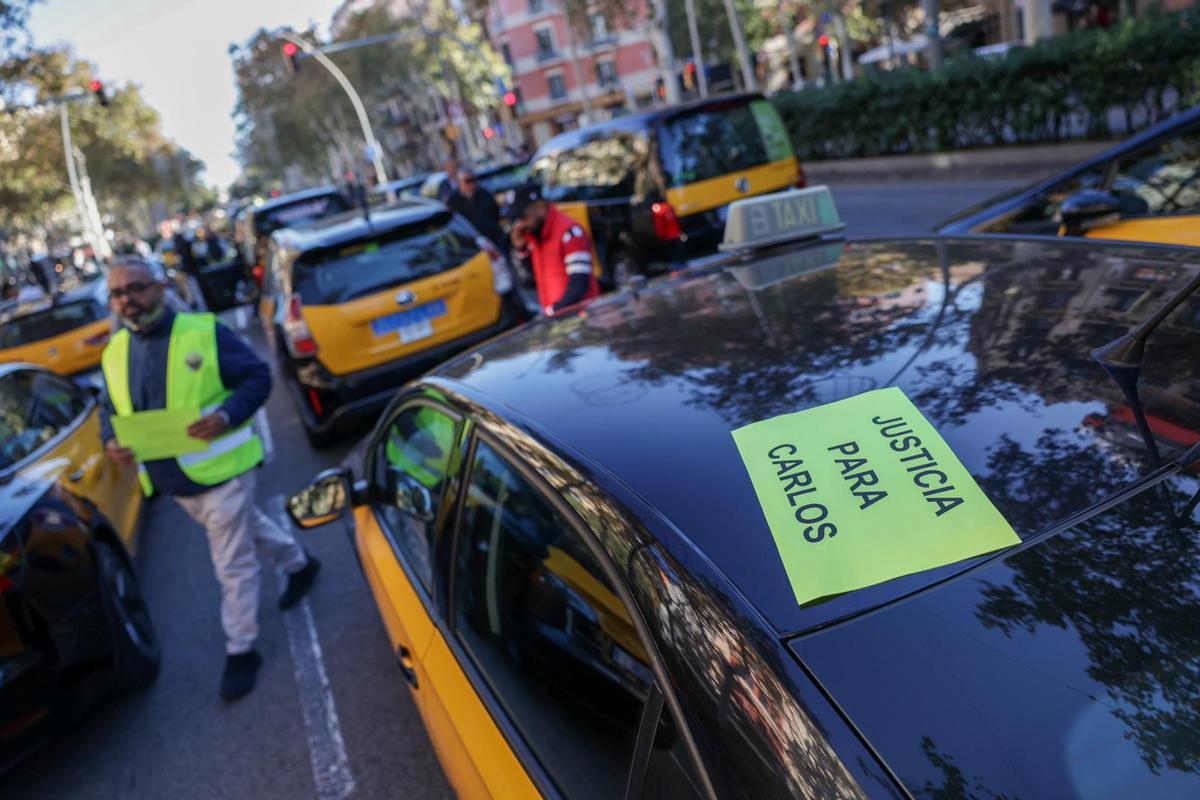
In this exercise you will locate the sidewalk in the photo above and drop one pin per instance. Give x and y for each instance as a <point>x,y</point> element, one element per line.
<point>1022,163</point>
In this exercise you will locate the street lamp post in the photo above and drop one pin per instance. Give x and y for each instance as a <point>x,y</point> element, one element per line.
<point>373,151</point>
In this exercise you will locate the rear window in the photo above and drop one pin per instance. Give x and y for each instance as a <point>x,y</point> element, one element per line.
<point>49,322</point>
<point>505,179</point>
<point>299,213</point>
<point>601,169</point>
<point>366,266</point>
<point>719,139</point>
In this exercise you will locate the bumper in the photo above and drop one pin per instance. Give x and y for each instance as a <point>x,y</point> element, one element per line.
<point>360,395</point>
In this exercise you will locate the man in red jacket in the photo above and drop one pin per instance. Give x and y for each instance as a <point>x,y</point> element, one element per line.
<point>557,249</point>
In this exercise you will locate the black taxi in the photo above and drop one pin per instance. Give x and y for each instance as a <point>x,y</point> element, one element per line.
<point>591,586</point>
<point>653,188</point>
<point>357,303</point>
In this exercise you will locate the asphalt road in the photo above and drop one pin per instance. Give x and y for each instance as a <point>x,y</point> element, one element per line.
<point>177,740</point>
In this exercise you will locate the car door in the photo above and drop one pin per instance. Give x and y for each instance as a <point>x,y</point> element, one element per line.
<point>538,683</point>
<point>410,464</point>
<point>1158,188</point>
<point>63,417</point>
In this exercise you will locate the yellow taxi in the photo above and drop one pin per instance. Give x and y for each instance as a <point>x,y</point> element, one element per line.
<point>653,188</point>
<point>1146,189</point>
<point>74,626</point>
<point>354,305</point>
<point>65,333</point>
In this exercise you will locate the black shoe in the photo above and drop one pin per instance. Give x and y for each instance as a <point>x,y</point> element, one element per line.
<point>299,582</point>
<point>240,672</point>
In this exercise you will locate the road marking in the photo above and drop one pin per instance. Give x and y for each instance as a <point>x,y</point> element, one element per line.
<point>326,748</point>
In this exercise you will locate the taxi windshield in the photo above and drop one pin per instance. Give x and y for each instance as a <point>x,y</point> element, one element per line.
<point>719,139</point>
<point>355,269</point>
<point>49,322</point>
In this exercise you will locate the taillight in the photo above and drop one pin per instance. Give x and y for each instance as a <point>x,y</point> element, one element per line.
<point>666,224</point>
<point>501,277</point>
<point>299,337</point>
<point>98,339</point>
<point>257,272</point>
<point>801,181</point>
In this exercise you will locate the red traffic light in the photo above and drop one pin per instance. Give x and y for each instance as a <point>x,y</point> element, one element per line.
<point>489,133</point>
<point>95,85</point>
<point>691,67</point>
<point>510,99</point>
<point>290,49</point>
<point>823,40</point>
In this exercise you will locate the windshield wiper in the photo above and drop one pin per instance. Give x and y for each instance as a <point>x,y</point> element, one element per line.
<point>1122,359</point>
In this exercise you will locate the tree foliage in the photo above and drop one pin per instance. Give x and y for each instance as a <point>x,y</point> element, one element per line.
<point>305,121</point>
<point>132,165</point>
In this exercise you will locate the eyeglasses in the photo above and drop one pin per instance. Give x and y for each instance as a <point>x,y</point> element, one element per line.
<point>136,287</point>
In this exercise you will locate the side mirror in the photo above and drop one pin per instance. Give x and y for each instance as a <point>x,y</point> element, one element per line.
<point>324,499</point>
<point>1088,209</point>
<point>410,495</point>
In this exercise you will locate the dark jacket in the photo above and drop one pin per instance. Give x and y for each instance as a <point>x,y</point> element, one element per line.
<point>241,370</point>
<point>481,211</point>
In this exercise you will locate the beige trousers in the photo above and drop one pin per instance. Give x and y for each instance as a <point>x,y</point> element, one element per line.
<point>238,533</point>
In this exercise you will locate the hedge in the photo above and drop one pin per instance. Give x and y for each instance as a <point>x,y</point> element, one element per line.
<point>1060,88</point>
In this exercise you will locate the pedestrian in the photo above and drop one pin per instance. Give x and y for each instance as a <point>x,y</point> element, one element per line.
<point>554,247</point>
<point>162,360</point>
<point>479,208</point>
<point>183,251</point>
<point>450,185</point>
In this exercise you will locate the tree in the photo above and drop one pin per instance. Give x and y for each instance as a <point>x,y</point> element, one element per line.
<point>134,168</point>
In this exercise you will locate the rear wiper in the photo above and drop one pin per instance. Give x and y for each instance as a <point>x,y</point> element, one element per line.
<point>1122,360</point>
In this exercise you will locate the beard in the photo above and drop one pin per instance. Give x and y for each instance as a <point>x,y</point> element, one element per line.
<point>143,319</point>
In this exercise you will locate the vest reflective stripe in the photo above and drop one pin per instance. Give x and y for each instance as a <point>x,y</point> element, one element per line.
<point>193,380</point>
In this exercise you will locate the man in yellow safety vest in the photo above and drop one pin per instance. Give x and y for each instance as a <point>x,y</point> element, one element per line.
<point>163,360</point>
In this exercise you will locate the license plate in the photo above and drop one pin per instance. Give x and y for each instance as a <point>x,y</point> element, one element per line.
<point>418,320</point>
<point>415,333</point>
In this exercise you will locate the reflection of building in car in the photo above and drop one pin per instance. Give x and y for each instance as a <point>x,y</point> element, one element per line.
<point>592,603</point>
<point>73,624</point>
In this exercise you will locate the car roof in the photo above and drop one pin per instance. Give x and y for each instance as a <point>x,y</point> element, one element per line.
<point>641,121</point>
<point>296,197</point>
<point>989,337</point>
<point>350,226</point>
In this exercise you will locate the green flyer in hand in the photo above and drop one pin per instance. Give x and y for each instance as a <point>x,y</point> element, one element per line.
<point>153,435</point>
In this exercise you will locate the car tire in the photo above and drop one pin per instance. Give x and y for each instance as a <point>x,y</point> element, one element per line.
<point>135,652</point>
<point>320,439</point>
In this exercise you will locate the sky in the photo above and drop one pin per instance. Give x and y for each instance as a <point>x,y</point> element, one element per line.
<point>177,51</point>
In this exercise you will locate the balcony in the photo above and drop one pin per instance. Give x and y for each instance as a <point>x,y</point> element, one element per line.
<point>547,55</point>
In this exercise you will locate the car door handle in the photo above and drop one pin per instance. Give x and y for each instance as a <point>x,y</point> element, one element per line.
<point>407,666</point>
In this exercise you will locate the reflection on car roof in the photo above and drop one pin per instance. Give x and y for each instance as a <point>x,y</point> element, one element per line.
<point>990,338</point>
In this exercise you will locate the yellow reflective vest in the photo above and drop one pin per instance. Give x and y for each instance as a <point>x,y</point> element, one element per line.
<point>193,381</point>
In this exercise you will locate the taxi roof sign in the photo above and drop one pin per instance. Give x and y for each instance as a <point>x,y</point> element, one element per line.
<point>771,219</point>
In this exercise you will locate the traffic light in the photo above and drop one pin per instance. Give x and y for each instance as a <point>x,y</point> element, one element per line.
<point>689,76</point>
<point>489,132</point>
<point>823,40</point>
<point>660,89</point>
<point>97,89</point>
<point>512,99</point>
<point>290,50</point>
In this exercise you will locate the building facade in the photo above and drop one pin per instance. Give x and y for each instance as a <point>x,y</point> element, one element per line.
<point>567,76</point>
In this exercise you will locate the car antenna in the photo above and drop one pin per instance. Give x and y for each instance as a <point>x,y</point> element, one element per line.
<point>1122,360</point>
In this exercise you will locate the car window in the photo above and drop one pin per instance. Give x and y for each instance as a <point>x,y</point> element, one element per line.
<point>669,771</point>
<point>401,255</point>
<point>411,465</point>
<point>1164,179</point>
<point>1041,215</point>
<point>603,168</point>
<point>544,626</point>
<point>34,408</point>
<point>719,139</point>
<point>505,179</point>
<point>50,322</point>
<point>298,213</point>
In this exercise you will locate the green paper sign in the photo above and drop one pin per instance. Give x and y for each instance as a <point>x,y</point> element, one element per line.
<point>863,490</point>
<point>153,435</point>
